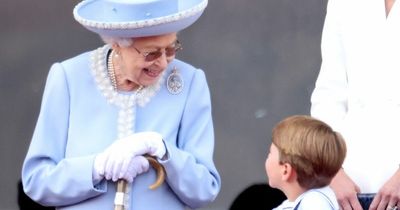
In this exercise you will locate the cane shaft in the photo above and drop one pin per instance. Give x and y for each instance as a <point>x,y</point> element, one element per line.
<point>120,195</point>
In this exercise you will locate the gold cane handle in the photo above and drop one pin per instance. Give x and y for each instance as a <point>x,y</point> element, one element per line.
<point>159,170</point>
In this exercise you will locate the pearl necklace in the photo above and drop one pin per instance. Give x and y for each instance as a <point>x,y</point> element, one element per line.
<point>111,70</point>
<point>111,73</point>
<point>126,102</point>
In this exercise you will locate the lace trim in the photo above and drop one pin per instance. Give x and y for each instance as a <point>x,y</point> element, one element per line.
<point>126,102</point>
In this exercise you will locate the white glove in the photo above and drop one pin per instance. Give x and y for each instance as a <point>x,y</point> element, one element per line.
<point>141,143</point>
<point>137,165</point>
<point>116,159</point>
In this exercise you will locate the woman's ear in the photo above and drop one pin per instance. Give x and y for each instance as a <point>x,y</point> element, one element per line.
<point>115,47</point>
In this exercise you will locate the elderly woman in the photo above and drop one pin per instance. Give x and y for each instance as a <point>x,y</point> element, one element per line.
<point>103,110</point>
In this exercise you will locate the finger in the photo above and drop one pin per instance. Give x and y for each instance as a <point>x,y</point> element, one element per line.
<point>144,164</point>
<point>383,204</point>
<point>357,188</point>
<point>135,167</point>
<point>112,156</point>
<point>112,161</point>
<point>392,203</point>
<point>354,203</point>
<point>341,207</point>
<point>125,167</point>
<point>105,156</point>
<point>130,173</point>
<point>116,168</point>
<point>375,202</point>
<point>348,207</point>
<point>108,169</point>
<point>341,204</point>
<point>129,176</point>
<point>107,165</point>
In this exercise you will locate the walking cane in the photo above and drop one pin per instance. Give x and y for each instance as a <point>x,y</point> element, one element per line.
<point>122,184</point>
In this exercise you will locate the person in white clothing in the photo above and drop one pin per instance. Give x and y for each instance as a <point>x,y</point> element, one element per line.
<point>304,156</point>
<point>357,92</point>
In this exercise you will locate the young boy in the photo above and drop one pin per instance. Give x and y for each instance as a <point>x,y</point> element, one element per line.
<point>304,156</point>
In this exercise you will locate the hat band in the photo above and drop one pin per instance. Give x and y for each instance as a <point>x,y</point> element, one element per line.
<point>143,23</point>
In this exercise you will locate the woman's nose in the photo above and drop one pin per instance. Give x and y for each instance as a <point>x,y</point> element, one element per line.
<point>162,61</point>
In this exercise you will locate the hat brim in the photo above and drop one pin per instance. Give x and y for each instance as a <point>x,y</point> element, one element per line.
<point>165,24</point>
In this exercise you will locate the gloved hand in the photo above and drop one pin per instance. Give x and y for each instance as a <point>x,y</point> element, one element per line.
<point>116,159</point>
<point>136,166</point>
<point>138,144</point>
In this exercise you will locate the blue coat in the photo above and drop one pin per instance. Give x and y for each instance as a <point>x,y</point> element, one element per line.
<point>76,122</point>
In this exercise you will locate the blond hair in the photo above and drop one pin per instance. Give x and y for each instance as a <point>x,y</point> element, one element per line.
<point>311,147</point>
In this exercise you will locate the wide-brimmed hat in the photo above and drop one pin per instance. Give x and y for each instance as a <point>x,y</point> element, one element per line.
<point>138,18</point>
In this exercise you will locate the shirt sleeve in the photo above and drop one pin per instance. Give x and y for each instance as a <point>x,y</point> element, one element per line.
<point>329,98</point>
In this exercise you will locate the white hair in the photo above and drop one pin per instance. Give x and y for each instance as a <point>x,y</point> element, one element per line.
<point>122,42</point>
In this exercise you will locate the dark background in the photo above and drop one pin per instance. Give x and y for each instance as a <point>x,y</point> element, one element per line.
<point>261,58</point>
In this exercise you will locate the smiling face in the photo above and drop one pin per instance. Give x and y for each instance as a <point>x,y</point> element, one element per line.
<point>134,69</point>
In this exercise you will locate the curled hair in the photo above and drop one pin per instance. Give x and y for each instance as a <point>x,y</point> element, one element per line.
<point>311,147</point>
<point>122,42</point>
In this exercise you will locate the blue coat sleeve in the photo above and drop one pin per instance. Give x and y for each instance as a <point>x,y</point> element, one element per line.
<point>190,168</point>
<point>48,176</point>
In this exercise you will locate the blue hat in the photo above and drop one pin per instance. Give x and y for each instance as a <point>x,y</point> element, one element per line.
<point>138,18</point>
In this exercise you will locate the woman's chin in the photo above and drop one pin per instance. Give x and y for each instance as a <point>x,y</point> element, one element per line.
<point>148,81</point>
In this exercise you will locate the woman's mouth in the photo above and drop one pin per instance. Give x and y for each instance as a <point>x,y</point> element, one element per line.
<point>151,72</point>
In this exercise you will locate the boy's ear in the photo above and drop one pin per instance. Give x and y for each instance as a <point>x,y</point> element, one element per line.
<point>287,172</point>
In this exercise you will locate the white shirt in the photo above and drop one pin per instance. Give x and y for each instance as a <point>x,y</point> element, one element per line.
<point>321,199</point>
<point>358,89</point>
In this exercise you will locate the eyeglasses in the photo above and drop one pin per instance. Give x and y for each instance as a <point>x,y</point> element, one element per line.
<point>169,52</point>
